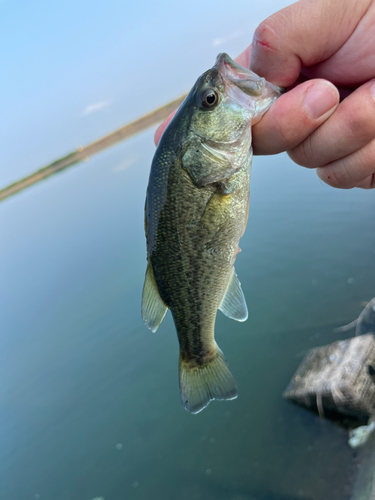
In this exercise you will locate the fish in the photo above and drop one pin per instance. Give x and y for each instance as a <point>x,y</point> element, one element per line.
<point>196,211</point>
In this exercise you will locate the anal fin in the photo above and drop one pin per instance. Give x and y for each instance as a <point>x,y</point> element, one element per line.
<point>153,308</point>
<point>233,304</point>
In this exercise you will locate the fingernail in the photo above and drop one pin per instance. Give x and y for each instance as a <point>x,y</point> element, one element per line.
<point>372,90</point>
<point>320,98</point>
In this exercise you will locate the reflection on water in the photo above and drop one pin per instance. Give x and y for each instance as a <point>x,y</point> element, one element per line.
<point>89,396</point>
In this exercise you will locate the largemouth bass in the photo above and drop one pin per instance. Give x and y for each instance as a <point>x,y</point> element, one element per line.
<point>195,214</point>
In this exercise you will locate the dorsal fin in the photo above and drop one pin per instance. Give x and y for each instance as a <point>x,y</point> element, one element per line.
<point>153,308</point>
<point>233,304</point>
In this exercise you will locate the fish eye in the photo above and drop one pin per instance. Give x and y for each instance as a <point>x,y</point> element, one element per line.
<point>209,98</point>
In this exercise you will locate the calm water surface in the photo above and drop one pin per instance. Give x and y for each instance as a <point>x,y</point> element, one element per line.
<point>89,398</point>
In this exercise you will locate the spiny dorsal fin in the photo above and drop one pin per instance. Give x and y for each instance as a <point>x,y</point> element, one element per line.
<point>233,304</point>
<point>153,308</point>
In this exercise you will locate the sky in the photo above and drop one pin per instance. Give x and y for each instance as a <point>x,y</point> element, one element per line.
<point>73,71</point>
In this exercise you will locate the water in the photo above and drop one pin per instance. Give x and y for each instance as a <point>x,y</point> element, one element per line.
<point>89,401</point>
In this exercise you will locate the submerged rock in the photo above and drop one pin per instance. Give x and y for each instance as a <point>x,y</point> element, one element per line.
<point>338,377</point>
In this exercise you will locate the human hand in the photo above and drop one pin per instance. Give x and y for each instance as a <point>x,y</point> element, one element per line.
<point>319,41</point>
<point>334,40</point>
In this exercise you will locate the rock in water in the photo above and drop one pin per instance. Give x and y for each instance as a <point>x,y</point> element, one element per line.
<point>339,377</point>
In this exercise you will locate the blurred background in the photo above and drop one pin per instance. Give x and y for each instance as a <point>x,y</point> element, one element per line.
<point>89,398</point>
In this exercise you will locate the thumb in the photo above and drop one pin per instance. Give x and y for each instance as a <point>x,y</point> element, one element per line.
<point>294,116</point>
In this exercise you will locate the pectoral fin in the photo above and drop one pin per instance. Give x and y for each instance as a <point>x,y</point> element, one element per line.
<point>233,304</point>
<point>153,308</point>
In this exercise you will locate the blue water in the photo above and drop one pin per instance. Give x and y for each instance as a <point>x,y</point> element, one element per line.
<point>89,398</point>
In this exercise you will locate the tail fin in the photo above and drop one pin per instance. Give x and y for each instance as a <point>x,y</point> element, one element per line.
<point>201,384</point>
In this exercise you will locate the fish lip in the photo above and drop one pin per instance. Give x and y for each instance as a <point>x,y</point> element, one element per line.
<point>245,79</point>
<point>213,78</point>
<point>224,63</point>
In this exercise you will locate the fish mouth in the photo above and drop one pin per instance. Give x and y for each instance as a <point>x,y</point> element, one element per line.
<point>245,79</point>
<point>211,78</point>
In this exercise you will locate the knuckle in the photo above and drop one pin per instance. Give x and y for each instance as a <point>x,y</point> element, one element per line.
<point>286,134</point>
<point>304,154</point>
<point>265,36</point>
<point>275,133</point>
<point>362,124</point>
<point>289,130</point>
<point>359,116</point>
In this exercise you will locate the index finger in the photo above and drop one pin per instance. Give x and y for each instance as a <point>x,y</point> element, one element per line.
<point>302,34</point>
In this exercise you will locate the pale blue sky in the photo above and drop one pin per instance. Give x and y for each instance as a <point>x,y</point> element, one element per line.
<point>75,70</point>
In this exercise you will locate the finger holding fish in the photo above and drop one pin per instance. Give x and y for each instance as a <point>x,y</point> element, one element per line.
<point>294,117</point>
<point>354,170</point>
<point>343,148</point>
